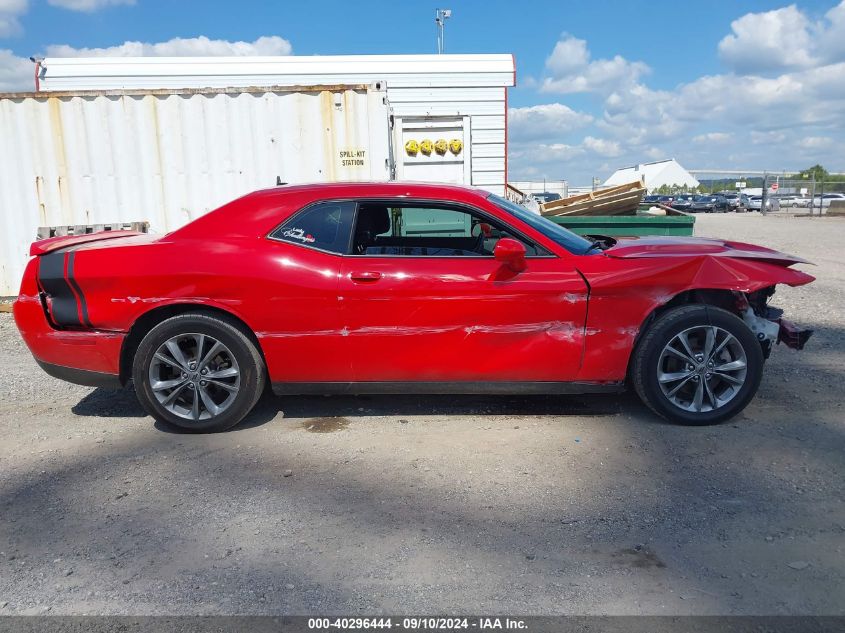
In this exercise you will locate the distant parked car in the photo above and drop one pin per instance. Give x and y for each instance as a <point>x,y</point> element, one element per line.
<point>733,200</point>
<point>651,199</point>
<point>796,201</point>
<point>709,204</point>
<point>546,196</point>
<point>666,200</point>
<point>754,203</point>
<point>824,200</point>
<point>683,202</point>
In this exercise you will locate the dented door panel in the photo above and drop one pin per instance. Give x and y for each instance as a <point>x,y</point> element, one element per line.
<point>464,318</point>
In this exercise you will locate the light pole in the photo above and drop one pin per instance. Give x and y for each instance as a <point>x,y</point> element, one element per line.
<point>440,17</point>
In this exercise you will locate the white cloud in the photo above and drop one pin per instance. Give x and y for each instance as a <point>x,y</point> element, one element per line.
<point>571,70</point>
<point>554,160</point>
<point>178,47</point>
<point>546,152</point>
<point>831,38</point>
<point>769,41</point>
<point>88,5</point>
<point>767,138</point>
<point>783,40</point>
<point>816,142</point>
<point>10,10</point>
<point>13,6</point>
<point>713,137</point>
<point>545,121</point>
<point>569,56</point>
<point>16,73</point>
<point>602,147</point>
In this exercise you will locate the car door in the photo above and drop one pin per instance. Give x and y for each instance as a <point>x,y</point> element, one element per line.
<point>423,299</point>
<point>299,326</point>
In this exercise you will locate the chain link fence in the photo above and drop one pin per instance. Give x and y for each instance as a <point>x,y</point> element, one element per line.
<point>803,195</point>
<point>776,193</point>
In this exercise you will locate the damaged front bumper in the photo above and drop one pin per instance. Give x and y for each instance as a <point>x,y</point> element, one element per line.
<point>792,335</point>
<point>769,326</point>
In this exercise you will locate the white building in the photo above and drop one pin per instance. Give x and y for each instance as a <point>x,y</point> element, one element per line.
<point>654,175</point>
<point>450,96</point>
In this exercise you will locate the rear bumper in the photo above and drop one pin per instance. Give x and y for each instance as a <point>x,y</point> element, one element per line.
<point>87,357</point>
<point>81,376</point>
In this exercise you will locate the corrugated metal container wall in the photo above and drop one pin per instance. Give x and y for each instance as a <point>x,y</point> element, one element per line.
<point>168,156</point>
<point>417,85</point>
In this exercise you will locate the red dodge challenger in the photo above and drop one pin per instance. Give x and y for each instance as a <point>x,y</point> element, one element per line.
<point>401,288</point>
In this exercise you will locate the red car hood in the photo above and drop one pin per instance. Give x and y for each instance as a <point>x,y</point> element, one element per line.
<point>697,246</point>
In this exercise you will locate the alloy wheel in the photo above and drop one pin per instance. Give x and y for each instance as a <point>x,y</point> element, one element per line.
<point>702,368</point>
<point>194,376</point>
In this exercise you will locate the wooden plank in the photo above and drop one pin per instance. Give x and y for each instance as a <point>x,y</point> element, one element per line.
<point>615,200</point>
<point>594,195</point>
<point>617,205</point>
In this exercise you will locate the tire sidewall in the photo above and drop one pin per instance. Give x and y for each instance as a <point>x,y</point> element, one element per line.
<point>666,328</point>
<point>231,337</point>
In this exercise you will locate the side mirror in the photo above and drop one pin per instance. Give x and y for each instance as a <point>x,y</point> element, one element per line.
<point>510,253</point>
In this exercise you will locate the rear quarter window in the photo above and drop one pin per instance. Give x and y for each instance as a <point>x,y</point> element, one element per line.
<point>325,226</point>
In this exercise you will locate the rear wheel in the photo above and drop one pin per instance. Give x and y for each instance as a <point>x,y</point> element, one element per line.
<point>697,365</point>
<point>198,372</point>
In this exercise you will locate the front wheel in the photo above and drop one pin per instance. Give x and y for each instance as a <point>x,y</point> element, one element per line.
<point>697,365</point>
<point>198,372</point>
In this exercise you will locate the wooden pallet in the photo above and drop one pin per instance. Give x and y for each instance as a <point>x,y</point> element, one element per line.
<point>618,200</point>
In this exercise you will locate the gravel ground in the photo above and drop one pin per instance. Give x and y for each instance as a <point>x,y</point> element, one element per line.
<point>346,505</point>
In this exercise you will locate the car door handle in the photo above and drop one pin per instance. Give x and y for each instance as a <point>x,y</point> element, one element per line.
<point>365,277</point>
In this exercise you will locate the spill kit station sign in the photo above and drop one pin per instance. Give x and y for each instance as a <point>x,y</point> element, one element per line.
<point>354,158</point>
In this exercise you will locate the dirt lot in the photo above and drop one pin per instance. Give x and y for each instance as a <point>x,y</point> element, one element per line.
<point>439,504</point>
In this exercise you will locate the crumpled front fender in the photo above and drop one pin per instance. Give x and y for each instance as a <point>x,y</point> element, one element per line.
<point>625,291</point>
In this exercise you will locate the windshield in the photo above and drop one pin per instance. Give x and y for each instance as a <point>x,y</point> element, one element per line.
<point>555,232</point>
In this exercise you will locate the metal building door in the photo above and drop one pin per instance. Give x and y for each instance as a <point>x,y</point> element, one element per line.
<point>433,149</point>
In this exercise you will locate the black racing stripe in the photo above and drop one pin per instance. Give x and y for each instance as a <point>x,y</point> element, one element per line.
<point>82,303</point>
<point>51,276</point>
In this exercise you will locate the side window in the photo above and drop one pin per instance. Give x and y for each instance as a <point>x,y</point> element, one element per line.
<point>418,231</point>
<point>325,226</point>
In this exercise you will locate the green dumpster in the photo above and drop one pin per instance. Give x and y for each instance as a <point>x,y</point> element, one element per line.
<point>626,225</point>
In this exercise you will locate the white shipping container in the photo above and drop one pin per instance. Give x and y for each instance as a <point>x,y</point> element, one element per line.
<point>167,156</point>
<point>423,90</point>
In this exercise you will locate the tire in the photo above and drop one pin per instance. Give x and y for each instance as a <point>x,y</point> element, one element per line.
<point>651,359</point>
<point>233,379</point>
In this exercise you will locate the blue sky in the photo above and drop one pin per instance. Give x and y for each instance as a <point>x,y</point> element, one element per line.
<point>599,84</point>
